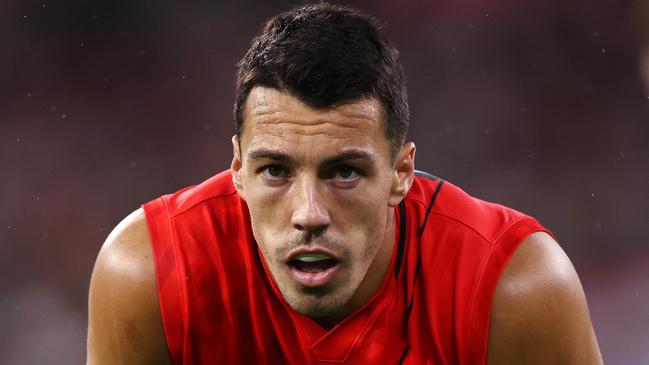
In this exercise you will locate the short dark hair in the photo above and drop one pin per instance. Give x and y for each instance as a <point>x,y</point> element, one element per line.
<point>327,55</point>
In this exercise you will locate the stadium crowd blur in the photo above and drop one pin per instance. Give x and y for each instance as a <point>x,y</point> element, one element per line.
<point>537,105</point>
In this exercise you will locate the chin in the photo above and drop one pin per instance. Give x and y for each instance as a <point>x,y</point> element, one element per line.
<point>316,302</point>
<point>318,309</point>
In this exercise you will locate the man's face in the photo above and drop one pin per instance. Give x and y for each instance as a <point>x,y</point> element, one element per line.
<point>320,184</point>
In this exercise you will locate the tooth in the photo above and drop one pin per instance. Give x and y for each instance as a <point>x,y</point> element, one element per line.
<point>311,257</point>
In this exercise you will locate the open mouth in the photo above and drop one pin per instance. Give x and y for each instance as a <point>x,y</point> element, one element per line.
<point>312,269</point>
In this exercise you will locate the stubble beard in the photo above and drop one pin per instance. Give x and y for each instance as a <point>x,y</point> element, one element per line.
<point>326,302</point>
<point>311,303</point>
<point>321,302</point>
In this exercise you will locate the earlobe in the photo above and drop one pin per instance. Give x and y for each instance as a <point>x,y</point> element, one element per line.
<point>235,166</point>
<point>404,173</point>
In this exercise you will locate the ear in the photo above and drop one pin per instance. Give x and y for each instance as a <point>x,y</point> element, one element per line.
<point>404,174</point>
<point>236,165</point>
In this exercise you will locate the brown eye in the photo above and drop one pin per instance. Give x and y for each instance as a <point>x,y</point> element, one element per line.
<point>346,173</point>
<point>273,172</point>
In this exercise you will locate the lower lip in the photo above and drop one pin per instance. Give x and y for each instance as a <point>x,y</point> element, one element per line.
<point>313,279</point>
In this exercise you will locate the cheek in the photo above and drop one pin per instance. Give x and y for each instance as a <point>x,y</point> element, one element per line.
<point>363,221</point>
<point>264,202</point>
<point>365,204</point>
<point>266,218</point>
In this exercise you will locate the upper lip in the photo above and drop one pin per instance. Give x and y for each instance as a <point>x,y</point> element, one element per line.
<point>311,249</point>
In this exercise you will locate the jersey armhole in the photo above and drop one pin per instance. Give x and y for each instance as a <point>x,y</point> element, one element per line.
<point>167,275</point>
<point>501,252</point>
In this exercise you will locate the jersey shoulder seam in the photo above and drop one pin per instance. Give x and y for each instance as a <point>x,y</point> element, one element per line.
<point>201,201</point>
<point>433,211</point>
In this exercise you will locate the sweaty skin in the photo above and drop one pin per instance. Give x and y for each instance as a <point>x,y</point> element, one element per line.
<point>328,178</point>
<point>321,179</point>
<point>124,323</point>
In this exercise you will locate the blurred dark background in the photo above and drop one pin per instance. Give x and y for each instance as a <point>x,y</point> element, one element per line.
<point>107,104</point>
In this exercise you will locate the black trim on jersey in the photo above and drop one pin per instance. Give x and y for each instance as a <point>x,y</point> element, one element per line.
<point>418,265</point>
<point>426,175</point>
<point>402,238</point>
<point>258,258</point>
<point>430,206</point>
<point>403,356</point>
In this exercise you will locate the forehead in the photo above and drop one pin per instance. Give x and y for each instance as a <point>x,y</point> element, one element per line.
<point>275,118</point>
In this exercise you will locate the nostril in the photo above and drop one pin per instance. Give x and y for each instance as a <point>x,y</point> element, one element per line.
<point>311,229</point>
<point>311,220</point>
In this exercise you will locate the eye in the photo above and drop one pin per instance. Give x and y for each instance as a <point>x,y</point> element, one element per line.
<point>346,173</point>
<point>273,172</point>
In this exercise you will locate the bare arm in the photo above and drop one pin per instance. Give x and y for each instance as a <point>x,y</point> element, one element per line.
<point>539,314</point>
<point>124,325</point>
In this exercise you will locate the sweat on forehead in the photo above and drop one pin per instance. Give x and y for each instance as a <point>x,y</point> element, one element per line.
<point>276,117</point>
<point>266,103</point>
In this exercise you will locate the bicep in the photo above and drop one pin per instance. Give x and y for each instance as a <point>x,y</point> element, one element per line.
<point>124,322</point>
<point>539,313</point>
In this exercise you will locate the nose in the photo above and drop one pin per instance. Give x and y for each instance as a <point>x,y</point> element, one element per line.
<point>310,213</point>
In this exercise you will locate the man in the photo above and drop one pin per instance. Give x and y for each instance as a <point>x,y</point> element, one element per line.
<point>322,244</point>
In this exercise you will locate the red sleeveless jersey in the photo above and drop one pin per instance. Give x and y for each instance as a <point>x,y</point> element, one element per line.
<point>220,305</point>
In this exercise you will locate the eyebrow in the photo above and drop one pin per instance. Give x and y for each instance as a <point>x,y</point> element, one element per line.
<point>353,154</point>
<point>264,153</point>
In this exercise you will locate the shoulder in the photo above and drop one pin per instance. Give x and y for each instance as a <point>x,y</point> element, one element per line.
<point>539,313</point>
<point>217,186</point>
<point>124,316</point>
<point>448,202</point>
<point>126,253</point>
<point>127,245</point>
